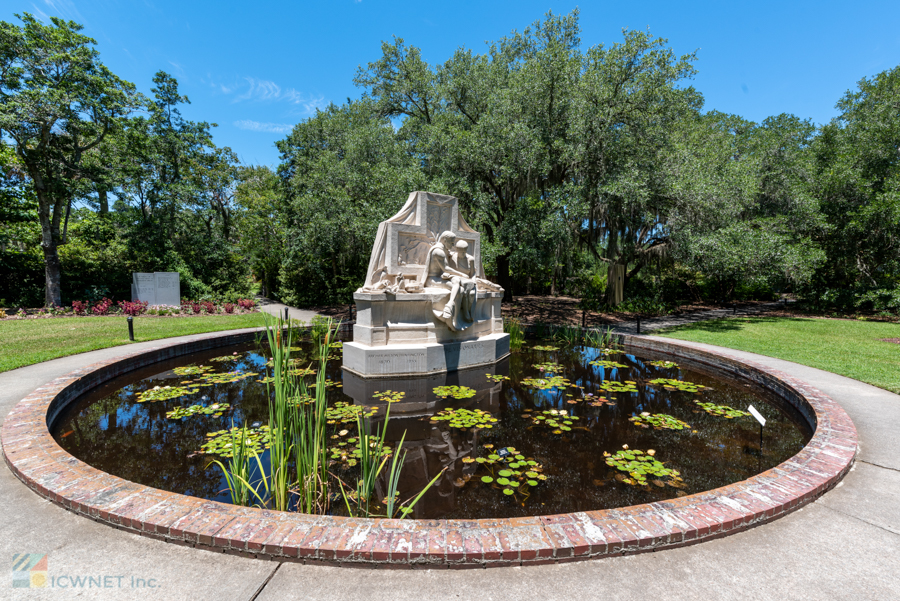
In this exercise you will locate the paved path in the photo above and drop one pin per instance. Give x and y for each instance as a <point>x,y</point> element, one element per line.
<point>846,545</point>
<point>277,309</point>
<point>657,323</point>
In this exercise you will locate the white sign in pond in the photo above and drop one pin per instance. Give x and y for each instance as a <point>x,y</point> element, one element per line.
<point>757,415</point>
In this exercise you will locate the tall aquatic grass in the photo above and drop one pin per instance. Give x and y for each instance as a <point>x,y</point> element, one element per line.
<point>378,463</point>
<point>239,472</point>
<point>567,335</point>
<point>513,327</point>
<point>298,476</point>
<point>599,338</point>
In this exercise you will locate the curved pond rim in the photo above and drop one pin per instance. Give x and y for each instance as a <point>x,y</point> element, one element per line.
<point>37,460</point>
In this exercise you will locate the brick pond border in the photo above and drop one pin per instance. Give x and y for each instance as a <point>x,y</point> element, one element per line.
<point>35,458</point>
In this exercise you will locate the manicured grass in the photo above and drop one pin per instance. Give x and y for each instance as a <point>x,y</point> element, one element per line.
<point>846,347</point>
<point>28,341</point>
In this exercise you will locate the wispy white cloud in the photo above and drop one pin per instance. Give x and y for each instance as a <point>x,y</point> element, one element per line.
<point>275,128</point>
<point>40,14</point>
<point>179,70</point>
<point>252,89</point>
<point>65,9</point>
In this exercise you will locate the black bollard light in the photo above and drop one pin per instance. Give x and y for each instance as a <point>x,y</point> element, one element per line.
<point>285,313</point>
<point>131,328</point>
<point>638,324</point>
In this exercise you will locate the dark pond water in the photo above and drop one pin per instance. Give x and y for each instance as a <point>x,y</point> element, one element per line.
<point>111,431</point>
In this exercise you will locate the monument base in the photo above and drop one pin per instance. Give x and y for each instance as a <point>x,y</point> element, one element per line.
<point>420,359</point>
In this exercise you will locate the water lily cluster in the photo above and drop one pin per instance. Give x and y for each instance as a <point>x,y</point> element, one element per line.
<point>216,410</point>
<point>658,421</point>
<point>519,473</point>
<point>556,419</point>
<point>465,418</point>
<point>637,466</point>
<point>680,385</point>
<point>456,392</point>
<point>721,410</point>
<point>223,442</point>
<point>607,364</point>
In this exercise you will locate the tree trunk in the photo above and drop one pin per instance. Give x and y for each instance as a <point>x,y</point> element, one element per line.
<point>49,215</point>
<point>503,277</point>
<point>104,201</point>
<point>52,273</point>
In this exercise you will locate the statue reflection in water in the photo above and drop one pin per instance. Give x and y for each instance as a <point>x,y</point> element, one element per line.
<point>431,446</point>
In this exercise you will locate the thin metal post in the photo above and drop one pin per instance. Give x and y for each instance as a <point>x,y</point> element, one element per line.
<point>131,328</point>
<point>759,462</point>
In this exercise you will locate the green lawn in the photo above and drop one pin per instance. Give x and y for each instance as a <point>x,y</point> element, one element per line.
<point>27,341</point>
<point>846,347</point>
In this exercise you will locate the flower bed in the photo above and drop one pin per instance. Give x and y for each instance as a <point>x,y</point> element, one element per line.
<point>106,306</point>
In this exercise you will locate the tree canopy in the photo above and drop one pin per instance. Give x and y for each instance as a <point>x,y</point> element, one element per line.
<point>571,160</point>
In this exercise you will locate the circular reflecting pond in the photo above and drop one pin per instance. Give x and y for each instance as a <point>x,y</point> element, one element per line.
<point>553,429</point>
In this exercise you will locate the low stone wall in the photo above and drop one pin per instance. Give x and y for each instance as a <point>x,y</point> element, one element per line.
<point>35,458</point>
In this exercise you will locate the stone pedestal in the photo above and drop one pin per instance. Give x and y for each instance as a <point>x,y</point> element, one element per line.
<point>397,335</point>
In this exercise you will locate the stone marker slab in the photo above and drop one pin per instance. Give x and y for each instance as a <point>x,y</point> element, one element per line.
<point>168,288</point>
<point>159,288</point>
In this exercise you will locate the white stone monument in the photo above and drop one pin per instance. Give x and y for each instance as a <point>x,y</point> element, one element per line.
<point>425,306</point>
<point>160,288</point>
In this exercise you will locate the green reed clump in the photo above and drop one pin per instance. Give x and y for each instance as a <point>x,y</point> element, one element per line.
<point>298,475</point>
<point>238,473</point>
<point>599,339</point>
<point>374,458</point>
<point>513,327</point>
<point>567,334</point>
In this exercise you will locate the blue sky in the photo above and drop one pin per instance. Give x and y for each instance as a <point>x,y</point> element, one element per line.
<point>257,68</point>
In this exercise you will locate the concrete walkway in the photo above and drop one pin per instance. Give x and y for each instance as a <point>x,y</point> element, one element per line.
<point>846,545</point>
<point>277,309</point>
<point>657,323</point>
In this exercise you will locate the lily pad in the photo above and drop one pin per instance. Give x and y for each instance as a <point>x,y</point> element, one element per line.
<point>464,418</point>
<point>721,410</point>
<point>216,409</point>
<point>164,393</point>
<point>389,396</point>
<point>659,421</point>
<point>556,419</point>
<point>221,442</point>
<point>551,367</point>
<point>191,370</point>
<point>457,392</point>
<point>546,383</point>
<point>635,466</point>
<point>607,364</point>
<point>615,386</point>
<point>664,364</point>
<point>680,385</point>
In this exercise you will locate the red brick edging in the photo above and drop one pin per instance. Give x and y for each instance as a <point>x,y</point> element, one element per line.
<point>36,459</point>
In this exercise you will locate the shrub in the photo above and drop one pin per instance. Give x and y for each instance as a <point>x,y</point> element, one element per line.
<point>102,307</point>
<point>196,308</point>
<point>133,308</point>
<point>246,304</point>
<point>79,307</point>
<point>2,314</point>
<point>208,306</point>
<point>228,307</point>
